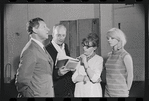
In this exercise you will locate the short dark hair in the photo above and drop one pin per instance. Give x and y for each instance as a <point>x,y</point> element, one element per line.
<point>33,23</point>
<point>92,37</point>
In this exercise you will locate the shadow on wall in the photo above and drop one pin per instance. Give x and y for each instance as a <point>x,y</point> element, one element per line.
<point>15,67</point>
<point>16,63</point>
<point>103,74</point>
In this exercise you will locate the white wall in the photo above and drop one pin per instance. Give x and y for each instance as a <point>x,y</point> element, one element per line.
<point>132,24</point>
<point>17,15</point>
<point>106,23</point>
<point>53,13</point>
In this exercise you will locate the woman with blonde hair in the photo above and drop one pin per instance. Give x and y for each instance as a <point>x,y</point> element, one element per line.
<point>119,66</point>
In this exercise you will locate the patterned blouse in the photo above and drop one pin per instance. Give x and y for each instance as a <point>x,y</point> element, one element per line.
<point>116,75</point>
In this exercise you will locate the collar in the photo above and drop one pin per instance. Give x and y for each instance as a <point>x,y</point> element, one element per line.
<point>39,43</point>
<point>92,55</point>
<point>57,46</point>
<point>117,51</point>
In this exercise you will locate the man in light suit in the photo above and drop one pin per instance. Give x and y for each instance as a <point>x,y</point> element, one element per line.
<point>34,75</point>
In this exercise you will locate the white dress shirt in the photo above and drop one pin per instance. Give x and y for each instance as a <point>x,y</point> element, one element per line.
<point>61,51</point>
<point>39,43</point>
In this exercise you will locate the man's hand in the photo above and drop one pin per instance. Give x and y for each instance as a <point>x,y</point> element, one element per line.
<point>62,71</point>
<point>73,70</point>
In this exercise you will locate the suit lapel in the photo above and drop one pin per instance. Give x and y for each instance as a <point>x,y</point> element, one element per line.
<point>45,54</point>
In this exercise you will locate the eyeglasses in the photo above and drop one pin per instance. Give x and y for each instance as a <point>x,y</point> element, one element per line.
<point>87,46</point>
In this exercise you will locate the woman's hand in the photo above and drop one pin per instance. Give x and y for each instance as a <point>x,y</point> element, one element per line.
<point>85,79</point>
<point>83,58</point>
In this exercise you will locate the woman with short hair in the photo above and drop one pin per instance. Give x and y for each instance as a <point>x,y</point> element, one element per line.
<point>119,66</point>
<point>87,74</point>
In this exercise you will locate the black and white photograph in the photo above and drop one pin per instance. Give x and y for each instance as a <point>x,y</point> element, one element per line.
<point>74,50</point>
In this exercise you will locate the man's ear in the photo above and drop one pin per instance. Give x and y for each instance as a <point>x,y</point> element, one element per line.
<point>34,30</point>
<point>54,32</point>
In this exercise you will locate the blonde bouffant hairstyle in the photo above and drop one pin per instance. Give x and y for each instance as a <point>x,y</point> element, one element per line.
<point>119,35</point>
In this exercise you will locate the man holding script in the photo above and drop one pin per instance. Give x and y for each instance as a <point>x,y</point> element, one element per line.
<point>63,85</point>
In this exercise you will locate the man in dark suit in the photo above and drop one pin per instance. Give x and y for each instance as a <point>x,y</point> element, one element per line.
<point>34,75</point>
<point>63,85</point>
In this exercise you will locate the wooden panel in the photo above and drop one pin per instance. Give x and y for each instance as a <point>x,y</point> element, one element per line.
<point>84,28</point>
<point>17,36</point>
<point>73,38</point>
<point>77,30</point>
<point>95,29</point>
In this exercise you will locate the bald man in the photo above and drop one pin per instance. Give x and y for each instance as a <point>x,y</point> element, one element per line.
<point>63,85</point>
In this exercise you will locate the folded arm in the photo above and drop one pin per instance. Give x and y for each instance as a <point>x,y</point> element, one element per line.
<point>76,77</point>
<point>94,72</point>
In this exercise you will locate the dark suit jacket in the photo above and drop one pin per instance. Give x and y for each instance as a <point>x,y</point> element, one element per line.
<point>63,85</point>
<point>34,75</point>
